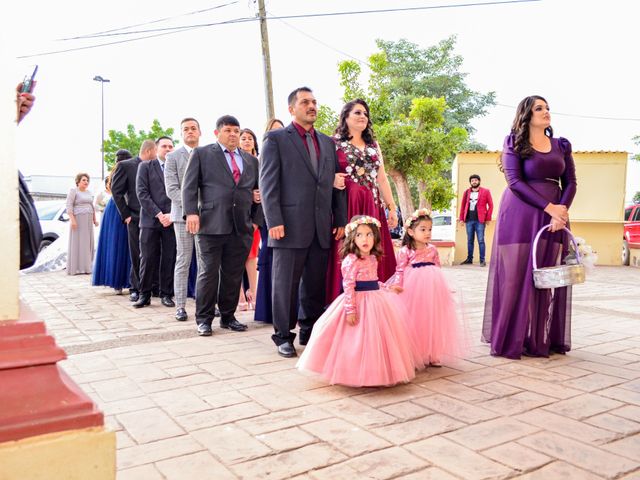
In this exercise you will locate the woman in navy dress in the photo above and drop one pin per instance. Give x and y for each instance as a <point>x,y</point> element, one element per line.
<point>112,263</point>
<point>520,319</point>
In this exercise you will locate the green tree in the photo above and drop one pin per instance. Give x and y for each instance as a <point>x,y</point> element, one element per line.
<point>131,140</point>
<point>636,140</point>
<point>327,120</point>
<point>421,109</point>
<point>636,198</point>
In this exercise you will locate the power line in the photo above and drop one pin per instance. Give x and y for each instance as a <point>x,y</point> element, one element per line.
<point>160,20</point>
<point>575,115</point>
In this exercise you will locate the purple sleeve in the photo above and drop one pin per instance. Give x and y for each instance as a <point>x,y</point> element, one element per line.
<point>568,178</point>
<point>512,165</point>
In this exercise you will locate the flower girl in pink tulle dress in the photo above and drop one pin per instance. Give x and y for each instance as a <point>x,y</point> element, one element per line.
<point>432,319</point>
<point>361,339</point>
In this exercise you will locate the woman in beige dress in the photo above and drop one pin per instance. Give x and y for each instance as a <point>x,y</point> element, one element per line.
<point>82,218</point>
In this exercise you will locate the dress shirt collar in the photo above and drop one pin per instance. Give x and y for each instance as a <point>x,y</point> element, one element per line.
<point>302,132</point>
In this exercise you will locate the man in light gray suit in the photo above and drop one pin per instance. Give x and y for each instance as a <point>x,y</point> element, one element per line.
<point>218,203</point>
<point>302,209</point>
<point>174,169</point>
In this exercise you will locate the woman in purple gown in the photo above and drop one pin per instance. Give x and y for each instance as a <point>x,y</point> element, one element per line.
<point>520,319</point>
<point>367,185</point>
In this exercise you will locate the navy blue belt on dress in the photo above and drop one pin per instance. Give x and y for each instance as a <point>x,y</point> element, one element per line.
<point>367,285</point>
<point>422,264</point>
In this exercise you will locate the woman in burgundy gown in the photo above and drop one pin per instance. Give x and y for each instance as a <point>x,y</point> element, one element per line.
<point>520,319</point>
<point>368,189</point>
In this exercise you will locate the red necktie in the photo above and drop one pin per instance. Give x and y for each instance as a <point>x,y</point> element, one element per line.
<point>234,167</point>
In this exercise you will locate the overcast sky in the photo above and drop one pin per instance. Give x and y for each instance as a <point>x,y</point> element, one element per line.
<point>579,54</point>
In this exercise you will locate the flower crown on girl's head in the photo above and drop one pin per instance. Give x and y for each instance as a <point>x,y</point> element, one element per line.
<point>364,220</point>
<point>422,212</point>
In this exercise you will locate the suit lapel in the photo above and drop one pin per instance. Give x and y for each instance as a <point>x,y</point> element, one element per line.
<point>221,159</point>
<point>155,166</point>
<point>302,149</point>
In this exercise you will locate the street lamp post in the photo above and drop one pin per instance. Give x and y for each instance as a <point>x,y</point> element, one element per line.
<point>102,81</point>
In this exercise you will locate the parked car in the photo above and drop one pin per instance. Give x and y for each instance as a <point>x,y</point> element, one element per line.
<point>53,220</point>
<point>443,228</point>
<point>631,234</point>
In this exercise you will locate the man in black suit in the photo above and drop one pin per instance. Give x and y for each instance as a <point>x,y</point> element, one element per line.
<point>157,240</point>
<point>217,201</point>
<point>123,189</point>
<point>303,210</point>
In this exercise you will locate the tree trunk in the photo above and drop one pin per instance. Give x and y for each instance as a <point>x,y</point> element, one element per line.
<point>424,203</point>
<point>404,192</point>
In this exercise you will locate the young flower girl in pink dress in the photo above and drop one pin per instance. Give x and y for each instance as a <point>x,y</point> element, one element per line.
<point>361,339</point>
<point>432,319</point>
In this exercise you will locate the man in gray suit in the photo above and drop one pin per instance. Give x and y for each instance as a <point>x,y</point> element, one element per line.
<point>174,169</point>
<point>302,209</point>
<point>217,200</point>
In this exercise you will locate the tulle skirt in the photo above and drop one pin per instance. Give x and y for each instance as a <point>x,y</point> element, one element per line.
<point>377,351</point>
<point>112,264</point>
<point>433,320</point>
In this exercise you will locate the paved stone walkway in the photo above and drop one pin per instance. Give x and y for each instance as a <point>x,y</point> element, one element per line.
<point>228,407</point>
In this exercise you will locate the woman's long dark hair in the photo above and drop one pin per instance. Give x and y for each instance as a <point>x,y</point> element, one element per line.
<point>343,130</point>
<point>255,140</point>
<point>520,126</point>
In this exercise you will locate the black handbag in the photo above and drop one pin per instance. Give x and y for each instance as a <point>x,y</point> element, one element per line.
<point>30,229</point>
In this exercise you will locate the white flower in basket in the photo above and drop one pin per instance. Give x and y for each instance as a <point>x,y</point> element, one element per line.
<point>588,257</point>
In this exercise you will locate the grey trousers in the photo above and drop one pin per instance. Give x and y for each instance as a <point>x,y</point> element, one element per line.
<point>185,245</point>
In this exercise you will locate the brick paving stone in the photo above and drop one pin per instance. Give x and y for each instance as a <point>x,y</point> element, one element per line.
<point>328,393</point>
<point>175,383</point>
<point>491,433</point>
<point>458,460</point>
<point>458,391</point>
<point>231,444</point>
<point>127,405</point>
<point>527,370</point>
<point>621,394</point>
<point>628,411</point>
<point>386,396</point>
<point>288,464</point>
<point>225,369</point>
<point>566,426</point>
<point>498,389</point>
<point>225,399</point>
<point>579,454</point>
<point>284,419</point>
<point>272,399</point>
<point>570,371</point>
<point>406,410</point>
<point>149,425</point>
<point>146,373</point>
<point>358,413</point>
<point>456,409</point>
<point>124,440</point>
<point>583,406</point>
<point>117,389</point>
<point>145,472</point>
<point>627,447</point>
<point>155,451</point>
<point>287,439</point>
<point>430,473</point>
<point>542,387</point>
<point>614,423</point>
<point>220,416</point>
<point>612,370</point>
<point>346,437</point>
<point>414,430</point>
<point>634,385</point>
<point>560,470</point>
<point>514,455</point>
<point>593,382</point>
<point>199,465</point>
<point>480,377</point>
<point>179,402</point>
<point>380,465</point>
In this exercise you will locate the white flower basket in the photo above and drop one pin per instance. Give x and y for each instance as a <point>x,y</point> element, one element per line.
<point>560,275</point>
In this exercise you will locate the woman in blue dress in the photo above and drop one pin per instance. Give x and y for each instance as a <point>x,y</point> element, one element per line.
<point>112,263</point>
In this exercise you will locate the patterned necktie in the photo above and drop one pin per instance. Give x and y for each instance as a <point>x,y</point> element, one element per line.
<point>312,152</point>
<point>234,167</point>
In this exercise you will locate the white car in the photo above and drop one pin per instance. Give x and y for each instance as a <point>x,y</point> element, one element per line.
<point>53,220</point>
<point>443,227</point>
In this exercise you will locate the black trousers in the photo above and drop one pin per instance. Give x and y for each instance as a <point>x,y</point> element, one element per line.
<point>133,237</point>
<point>298,273</point>
<point>221,260</point>
<point>157,251</point>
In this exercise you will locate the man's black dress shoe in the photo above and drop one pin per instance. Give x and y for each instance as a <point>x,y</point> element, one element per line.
<point>204,330</point>
<point>467,262</point>
<point>134,296</point>
<point>181,315</point>
<point>234,325</point>
<point>143,301</point>
<point>286,350</point>
<point>167,302</point>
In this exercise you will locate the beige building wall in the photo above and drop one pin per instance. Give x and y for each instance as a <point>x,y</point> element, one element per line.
<point>596,213</point>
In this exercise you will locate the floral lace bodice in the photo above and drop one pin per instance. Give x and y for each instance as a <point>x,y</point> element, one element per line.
<point>361,165</point>
<point>407,256</point>
<point>354,270</point>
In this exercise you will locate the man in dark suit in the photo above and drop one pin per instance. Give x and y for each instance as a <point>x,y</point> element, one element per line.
<point>303,210</point>
<point>123,189</point>
<point>217,201</point>
<point>157,240</point>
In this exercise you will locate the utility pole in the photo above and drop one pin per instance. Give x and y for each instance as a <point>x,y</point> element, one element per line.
<point>266,59</point>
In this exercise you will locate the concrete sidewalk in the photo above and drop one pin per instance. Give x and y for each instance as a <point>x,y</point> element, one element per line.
<point>228,407</point>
